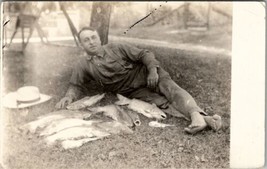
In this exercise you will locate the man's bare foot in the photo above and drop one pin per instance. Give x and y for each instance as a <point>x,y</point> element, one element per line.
<point>198,123</point>
<point>215,122</point>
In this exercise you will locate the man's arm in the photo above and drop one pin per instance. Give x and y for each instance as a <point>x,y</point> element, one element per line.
<point>146,57</point>
<point>76,88</point>
<point>74,92</point>
<point>152,64</point>
<point>135,54</point>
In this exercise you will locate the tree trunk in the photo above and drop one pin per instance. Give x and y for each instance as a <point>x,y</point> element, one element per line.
<point>208,16</point>
<point>100,19</point>
<point>71,25</point>
<point>186,14</point>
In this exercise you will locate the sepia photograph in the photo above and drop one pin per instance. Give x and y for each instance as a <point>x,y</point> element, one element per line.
<point>116,84</point>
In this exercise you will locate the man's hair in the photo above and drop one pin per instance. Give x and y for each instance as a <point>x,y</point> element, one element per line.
<point>84,29</point>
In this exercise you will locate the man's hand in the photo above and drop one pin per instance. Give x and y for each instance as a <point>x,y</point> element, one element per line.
<point>65,101</point>
<point>152,78</point>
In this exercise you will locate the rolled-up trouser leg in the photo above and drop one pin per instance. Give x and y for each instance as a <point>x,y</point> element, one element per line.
<point>180,99</point>
<point>161,101</point>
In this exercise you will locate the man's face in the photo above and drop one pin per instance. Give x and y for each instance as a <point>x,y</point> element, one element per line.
<point>90,41</point>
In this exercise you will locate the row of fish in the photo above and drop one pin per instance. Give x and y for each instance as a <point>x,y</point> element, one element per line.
<point>72,130</point>
<point>142,107</point>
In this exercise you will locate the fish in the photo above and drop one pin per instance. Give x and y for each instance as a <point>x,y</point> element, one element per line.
<point>44,120</point>
<point>68,144</point>
<point>66,113</point>
<point>61,124</point>
<point>114,112</point>
<point>157,124</point>
<point>76,133</point>
<point>85,102</point>
<point>113,127</point>
<point>142,107</point>
<point>41,123</point>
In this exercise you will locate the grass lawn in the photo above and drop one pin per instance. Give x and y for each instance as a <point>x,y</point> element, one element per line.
<point>207,78</point>
<point>217,36</point>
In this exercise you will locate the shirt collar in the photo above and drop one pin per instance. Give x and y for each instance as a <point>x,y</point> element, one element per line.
<point>100,54</point>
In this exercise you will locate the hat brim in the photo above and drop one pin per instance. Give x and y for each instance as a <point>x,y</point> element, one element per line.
<point>10,101</point>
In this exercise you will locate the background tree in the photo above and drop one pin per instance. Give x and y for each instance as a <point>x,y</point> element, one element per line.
<point>100,19</point>
<point>71,25</point>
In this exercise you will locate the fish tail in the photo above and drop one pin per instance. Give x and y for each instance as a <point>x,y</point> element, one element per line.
<point>102,95</point>
<point>134,116</point>
<point>122,100</point>
<point>125,117</point>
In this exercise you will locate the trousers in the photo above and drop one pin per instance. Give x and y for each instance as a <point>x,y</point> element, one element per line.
<point>168,96</point>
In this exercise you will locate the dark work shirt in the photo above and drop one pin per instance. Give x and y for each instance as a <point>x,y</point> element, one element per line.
<point>120,68</point>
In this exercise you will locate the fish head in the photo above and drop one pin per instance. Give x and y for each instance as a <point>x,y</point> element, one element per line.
<point>156,112</point>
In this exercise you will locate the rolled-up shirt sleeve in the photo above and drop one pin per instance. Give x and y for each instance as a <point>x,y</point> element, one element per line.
<point>135,54</point>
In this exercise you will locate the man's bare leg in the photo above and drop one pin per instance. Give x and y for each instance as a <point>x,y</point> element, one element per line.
<point>184,103</point>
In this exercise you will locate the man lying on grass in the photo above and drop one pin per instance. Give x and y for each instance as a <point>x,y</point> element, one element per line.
<point>134,73</point>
